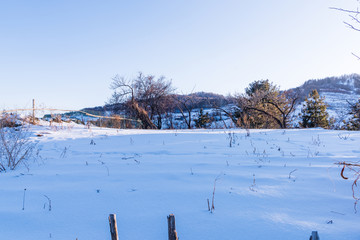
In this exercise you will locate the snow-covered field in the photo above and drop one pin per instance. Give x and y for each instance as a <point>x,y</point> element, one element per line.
<point>273,184</point>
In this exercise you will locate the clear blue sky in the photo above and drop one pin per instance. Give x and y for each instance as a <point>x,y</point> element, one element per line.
<point>64,53</point>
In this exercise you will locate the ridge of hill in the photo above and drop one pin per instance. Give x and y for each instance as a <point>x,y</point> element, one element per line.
<point>338,92</point>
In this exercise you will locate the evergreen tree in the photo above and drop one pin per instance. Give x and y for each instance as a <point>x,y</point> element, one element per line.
<point>314,113</point>
<point>258,93</point>
<point>354,121</point>
<point>265,106</point>
<point>261,86</point>
<point>203,120</point>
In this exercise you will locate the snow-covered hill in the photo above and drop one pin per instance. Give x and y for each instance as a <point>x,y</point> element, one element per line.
<point>271,184</point>
<point>338,93</point>
<point>346,84</point>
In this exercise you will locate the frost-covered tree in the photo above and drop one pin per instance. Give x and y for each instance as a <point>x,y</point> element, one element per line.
<point>313,113</point>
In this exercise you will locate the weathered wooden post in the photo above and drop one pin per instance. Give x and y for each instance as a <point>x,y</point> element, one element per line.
<point>113,227</point>
<point>314,236</point>
<point>171,227</point>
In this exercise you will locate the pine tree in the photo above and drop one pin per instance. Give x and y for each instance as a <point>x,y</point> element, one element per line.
<point>314,113</point>
<point>203,120</point>
<point>354,121</point>
<point>265,106</point>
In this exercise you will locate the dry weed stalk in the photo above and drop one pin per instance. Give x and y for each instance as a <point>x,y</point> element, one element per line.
<point>253,186</point>
<point>291,173</point>
<point>355,168</point>
<point>213,196</point>
<point>49,201</point>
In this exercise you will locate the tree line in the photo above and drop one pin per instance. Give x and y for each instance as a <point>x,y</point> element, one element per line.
<point>153,101</point>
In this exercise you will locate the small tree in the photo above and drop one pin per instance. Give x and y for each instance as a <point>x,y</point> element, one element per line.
<point>186,105</point>
<point>203,120</point>
<point>16,146</point>
<point>313,113</point>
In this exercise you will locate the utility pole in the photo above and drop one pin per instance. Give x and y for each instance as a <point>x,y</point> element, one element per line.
<point>33,112</point>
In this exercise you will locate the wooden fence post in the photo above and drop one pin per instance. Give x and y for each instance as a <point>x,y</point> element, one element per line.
<point>314,236</point>
<point>171,227</point>
<point>113,227</point>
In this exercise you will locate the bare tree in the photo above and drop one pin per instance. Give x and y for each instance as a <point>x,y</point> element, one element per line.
<point>125,92</point>
<point>154,95</point>
<point>147,97</point>
<point>186,105</point>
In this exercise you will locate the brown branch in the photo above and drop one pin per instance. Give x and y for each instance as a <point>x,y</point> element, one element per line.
<point>342,173</point>
<point>351,166</point>
<point>293,103</point>
<point>276,105</point>
<point>268,114</point>
<point>348,164</point>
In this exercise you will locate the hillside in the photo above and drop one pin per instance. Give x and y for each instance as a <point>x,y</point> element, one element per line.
<point>338,92</point>
<point>346,84</point>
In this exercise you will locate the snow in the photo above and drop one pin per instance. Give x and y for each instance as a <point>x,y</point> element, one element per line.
<point>350,81</point>
<point>273,184</point>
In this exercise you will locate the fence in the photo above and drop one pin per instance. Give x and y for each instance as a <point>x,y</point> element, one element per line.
<point>172,234</point>
<point>102,121</point>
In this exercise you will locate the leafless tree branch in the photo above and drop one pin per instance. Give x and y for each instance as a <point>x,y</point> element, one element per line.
<point>354,16</point>
<point>345,10</point>
<point>356,56</point>
<point>351,26</point>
